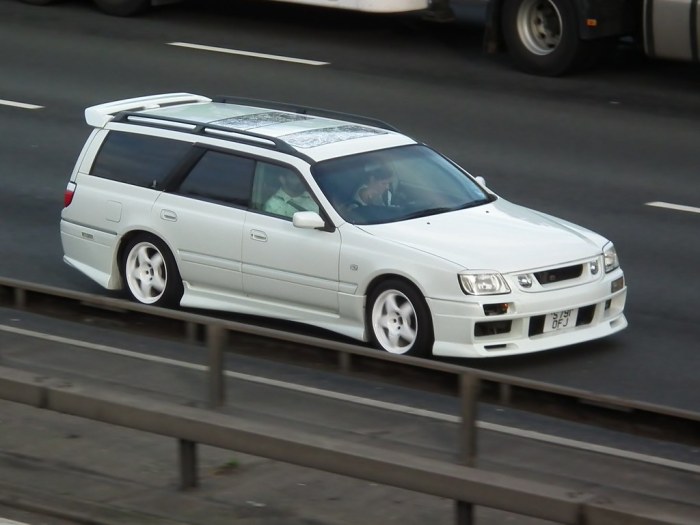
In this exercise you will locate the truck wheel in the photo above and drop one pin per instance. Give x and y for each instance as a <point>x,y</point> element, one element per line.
<point>399,320</point>
<point>542,36</point>
<point>123,7</point>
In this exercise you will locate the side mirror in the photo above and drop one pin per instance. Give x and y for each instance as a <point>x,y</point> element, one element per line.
<point>481,180</point>
<point>307,219</point>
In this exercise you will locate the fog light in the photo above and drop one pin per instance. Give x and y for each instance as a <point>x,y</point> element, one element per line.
<point>524,281</point>
<point>617,285</point>
<point>593,266</point>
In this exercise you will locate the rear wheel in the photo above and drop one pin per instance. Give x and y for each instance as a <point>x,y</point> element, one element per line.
<point>542,36</point>
<point>150,272</point>
<point>123,7</point>
<point>399,319</point>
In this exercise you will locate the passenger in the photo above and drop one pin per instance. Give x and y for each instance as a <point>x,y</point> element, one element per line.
<point>291,197</point>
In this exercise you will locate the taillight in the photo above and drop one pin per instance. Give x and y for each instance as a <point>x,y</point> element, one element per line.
<point>68,194</point>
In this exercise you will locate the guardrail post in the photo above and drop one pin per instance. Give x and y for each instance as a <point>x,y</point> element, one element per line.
<point>188,463</point>
<point>215,344</point>
<point>191,332</point>
<point>505,393</point>
<point>345,362</point>
<point>469,384</point>
<point>20,298</point>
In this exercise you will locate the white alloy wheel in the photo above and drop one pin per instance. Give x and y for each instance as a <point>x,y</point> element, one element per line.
<point>146,273</point>
<point>394,322</point>
<point>540,25</point>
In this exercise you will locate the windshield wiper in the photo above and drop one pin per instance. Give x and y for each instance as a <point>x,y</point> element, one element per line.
<point>476,203</point>
<point>444,209</point>
<point>429,211</point>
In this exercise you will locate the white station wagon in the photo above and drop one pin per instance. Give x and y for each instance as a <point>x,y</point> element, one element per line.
<point>329,219</point>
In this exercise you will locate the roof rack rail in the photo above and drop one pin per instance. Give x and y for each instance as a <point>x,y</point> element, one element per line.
<point>203,128</point>
<point>305,110</point>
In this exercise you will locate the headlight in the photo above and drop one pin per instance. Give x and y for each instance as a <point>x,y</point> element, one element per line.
<point>610,260</point>
<point>483,283</point>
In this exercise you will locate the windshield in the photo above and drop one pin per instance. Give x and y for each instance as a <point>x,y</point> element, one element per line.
<point>396,184</point>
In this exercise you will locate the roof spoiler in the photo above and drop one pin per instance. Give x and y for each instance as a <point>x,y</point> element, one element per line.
<point>98,116</point>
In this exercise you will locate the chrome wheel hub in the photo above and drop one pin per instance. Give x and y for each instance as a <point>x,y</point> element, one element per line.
<point>539,26</point>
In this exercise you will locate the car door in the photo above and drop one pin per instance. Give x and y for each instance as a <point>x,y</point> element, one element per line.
<point>287,266</point>
<point>202,219</point>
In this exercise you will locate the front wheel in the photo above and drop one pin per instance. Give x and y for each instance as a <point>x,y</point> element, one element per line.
<point>399,319</point>
<point>542,36</point>
<point>150,272</point>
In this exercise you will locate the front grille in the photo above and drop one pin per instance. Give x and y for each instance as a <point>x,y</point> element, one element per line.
<point>559,274</point>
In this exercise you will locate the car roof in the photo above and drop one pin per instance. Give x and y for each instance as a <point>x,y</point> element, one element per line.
<point>308,132</point>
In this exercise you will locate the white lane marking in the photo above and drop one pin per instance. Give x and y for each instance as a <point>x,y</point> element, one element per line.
<point>428,414</point>
<point>248,53</point>
<point>4,521</point>
<point>16,104</point>
<point>671,206</point>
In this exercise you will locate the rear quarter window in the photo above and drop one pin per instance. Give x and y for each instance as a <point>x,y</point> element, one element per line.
<point>136,159</point>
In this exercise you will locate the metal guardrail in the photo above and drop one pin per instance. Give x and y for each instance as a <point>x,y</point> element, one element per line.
<point>471,385</point>
<point>191,426</point>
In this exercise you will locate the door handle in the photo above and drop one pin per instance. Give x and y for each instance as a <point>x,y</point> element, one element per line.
<point>258,235</point>
<point>168,215</point>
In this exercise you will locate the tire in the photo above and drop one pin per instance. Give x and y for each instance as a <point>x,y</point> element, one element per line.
<point>542,36</point>
<point>150,273</point>
<point>123,7</point>
<point>398,319</point>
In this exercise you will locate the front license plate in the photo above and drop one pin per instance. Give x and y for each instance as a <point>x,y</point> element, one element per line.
<point>560,320</point>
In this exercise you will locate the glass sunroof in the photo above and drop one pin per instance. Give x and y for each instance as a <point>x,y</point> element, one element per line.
<point>259,120</point>
<point>320,137</point>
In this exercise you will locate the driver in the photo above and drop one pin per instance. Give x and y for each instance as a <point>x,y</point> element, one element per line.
<point>376,191</point>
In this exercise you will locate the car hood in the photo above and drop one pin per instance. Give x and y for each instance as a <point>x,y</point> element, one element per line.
<point>499,236</point>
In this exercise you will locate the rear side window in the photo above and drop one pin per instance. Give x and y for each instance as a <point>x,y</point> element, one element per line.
<point>140,160</point>
<point>220,177</point>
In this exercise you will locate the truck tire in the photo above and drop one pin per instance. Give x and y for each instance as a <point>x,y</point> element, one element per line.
<point>542,36</point>
<point>123,7</point>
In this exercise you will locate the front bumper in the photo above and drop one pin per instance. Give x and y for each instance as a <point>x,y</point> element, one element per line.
<point>463,329</point>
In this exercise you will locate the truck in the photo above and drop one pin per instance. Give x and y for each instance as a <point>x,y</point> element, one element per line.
<point>542,37</point>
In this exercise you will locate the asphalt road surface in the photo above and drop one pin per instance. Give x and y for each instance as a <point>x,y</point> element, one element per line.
<point>593,148</point>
